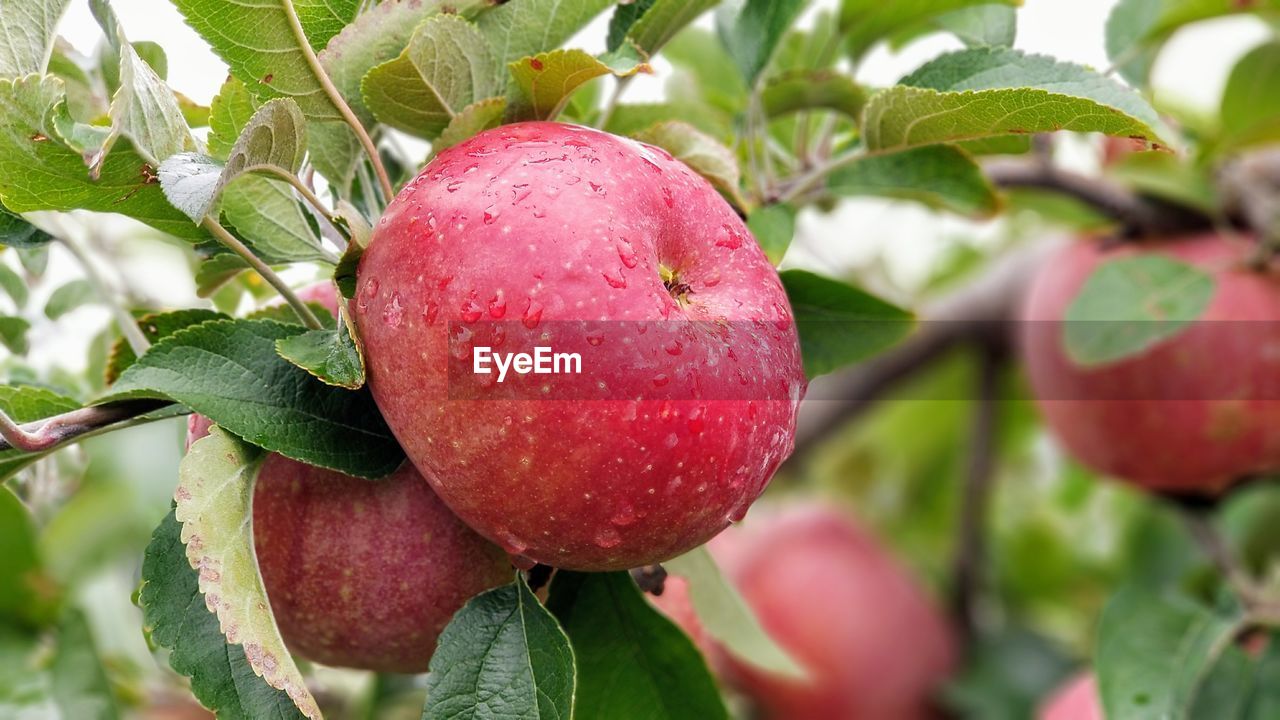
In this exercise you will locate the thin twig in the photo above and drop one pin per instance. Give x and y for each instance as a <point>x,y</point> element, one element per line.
<point>304,313</point>
<point>126,322</point>
<point>615,98</point>
<point>339,102</point>
<point>970,551</point>
<point>46,435</point>
<point>307,194</point>
<point>802,184</point>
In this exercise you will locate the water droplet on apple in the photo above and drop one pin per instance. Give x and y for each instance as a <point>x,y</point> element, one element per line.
<point>615,279</point>
<point>491,214</point>
<point>532,314</point>
<point>497,336</point>
<point>393,313</point>
<point>671,441</point>
<point>471,309</point>
<point>783,319</point>
<point>497,306</point>
<point>607,538</point>
<point>453,186</point>
<point>625,516</point>
<point>368,293</point>
<point>668,197</point>
<point>431,312</point>
<point>470,169</point>
<point>595,339</point>
<point>572,180</point>
<point>519,193</point>
<point>732,239</point>
<point>674,348</point>
<point>598,189</point>
<point>521,562</point>
<point>739,512</point>
<point>627,254</point>
<point>660,379</point>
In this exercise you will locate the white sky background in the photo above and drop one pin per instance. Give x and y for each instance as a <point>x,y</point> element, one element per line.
<point>907,238</point>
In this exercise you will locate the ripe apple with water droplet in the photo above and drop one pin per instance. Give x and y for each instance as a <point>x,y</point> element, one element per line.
<point>873,643</point>
<point>1190,415</point>
<point>589,244</point>
<point>362,573</point>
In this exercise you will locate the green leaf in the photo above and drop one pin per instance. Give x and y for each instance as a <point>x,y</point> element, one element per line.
<point>323,19</point>
<point>84,96</point>
<point>40,172</point>
<point>995,25</point>
<point>26,34</point>
<point>545,82</point>
<point>1251,101</point>
<point>68,297</point>
<point>109,59</point>
<point>716,84</point>
<point>77,675</point>
<point>727,617</point>
<point>332,356</point>
<point>630,119</point>
<point>839,324</point>
<point>176,617</point>
<point>702,153</point>
<point>773,227</point>
<point>813,90</point>
<point>1155,652</point>
<point>940,176</point>
<point>154,326</point>
<point>344,275</point>
<point>502,655</point>
<point>216,271</point>
<point>25,593</point>
<point>17,232</point>
<point>143,109</point>
<point>651,24</point>
<point>265,212</point>
<point>14,286</point>
<point>215,506</point>
<point>229,371</point>
<point>274,138</point>
<point>25,403</point>
<point>629,655</point>
<point>1129,305</point>
<point>447,66</point>
<point>524,28</point>
<point>473,120</point>
<point>1169,177</point>
<point>752,29</point>
<point>13,334</point>
<point>983,92</point>
<point>1138,29</point>
<point>229,112</point>
<point>865,22</point>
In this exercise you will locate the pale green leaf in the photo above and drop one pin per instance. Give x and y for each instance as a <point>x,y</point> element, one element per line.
<point>274,139</point>
<point>215,506</point>
<point>983,92</point>
<point>502,655</point>
<point>67,298</point>
<point>752,29</point>
<point>266,214</point>
<point>13,285</point>
<point>38,172</point>
<point>545,82</point>
<point>1138,29</point>
<point>939,176</point>
<point>229,112</point>
<point>26,34</point>
<point>773,227</point>
<point>78,679</point>
<point>839,324</point>
<point>21,574</point>
<point>447,66</point>
<point>812,90</point>
<point>727,617</point>
<point>474,119</point>
<point>865,22</point>
<point>981,24</point>
<point>323,19</point>
<point>523,28</point>
<point>1131,304</point>
<point>13,334</point>
<point>702,153</point>
<point>1251,101</point>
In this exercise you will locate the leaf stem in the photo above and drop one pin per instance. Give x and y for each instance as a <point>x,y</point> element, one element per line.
<point>47,435</point>
<point>336,98</point>
<point>805,182</point>
<point>126,322</point>
<point>304,313</point>
<point>307,194</point>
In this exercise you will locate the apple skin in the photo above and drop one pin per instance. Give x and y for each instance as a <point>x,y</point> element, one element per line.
<point>559,231</point>
<point>1076,700</point>
<point>1221,423</point>
<point>362,573</point>
<point>872,641</point>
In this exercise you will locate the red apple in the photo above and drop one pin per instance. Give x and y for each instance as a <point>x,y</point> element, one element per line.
<point>1190,415</point>
<point>584,242</point>
<point>872,642</point>
<point>1076,700</point>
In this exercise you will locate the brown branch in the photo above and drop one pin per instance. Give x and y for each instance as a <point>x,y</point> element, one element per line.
<point>54,432</point>
<point>970,551</point>
<point>977,315</point>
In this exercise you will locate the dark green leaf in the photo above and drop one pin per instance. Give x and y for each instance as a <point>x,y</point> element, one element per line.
<point>839,324</point>
<point>229,112</point>
<point>345,274</point>
<point>330,355</point>
<point>752,29</point>
<point>650,24</point>
<point>13,334</point>
<point>503,655</point>
<point>229,371</point>
<point>16,232</point>
<point>1129,305</point>
<point>632,660</point>
<point>154,326</point>
<point>177,618</point>
<point>67,298</point>
<point>939,176</point>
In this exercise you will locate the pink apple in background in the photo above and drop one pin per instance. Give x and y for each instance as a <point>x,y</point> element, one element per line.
<point>870,638</point>
<point>1076,700</point>
<point>574,239</point>
<point>1220,419</point>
